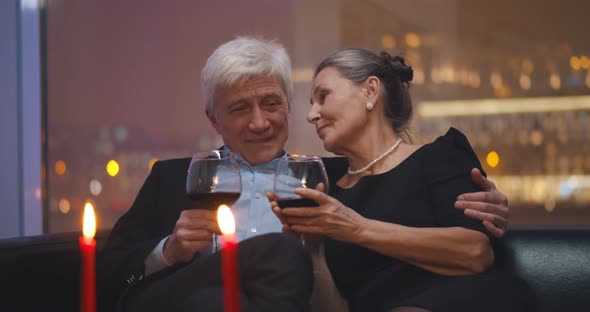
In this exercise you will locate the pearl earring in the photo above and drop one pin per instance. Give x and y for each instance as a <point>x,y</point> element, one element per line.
<point>370,106</point>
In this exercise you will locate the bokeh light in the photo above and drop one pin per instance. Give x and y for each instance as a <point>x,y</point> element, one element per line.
<point>555,81</point>
<point>64,206</point>
<point>525,82</point>
<point>388,41</point>
<point>413,40</point>
<point>575,63</point>
<point>112,168</point>
<point>493,159</point>
<point>95,187</point>
<point>60,167</point>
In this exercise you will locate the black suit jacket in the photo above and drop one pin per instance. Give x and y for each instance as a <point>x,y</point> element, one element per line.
<point>152,217</point>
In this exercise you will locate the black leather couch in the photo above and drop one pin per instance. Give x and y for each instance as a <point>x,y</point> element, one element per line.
<point>42,273</point>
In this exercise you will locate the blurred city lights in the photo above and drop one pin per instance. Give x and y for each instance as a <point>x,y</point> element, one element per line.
<point>493,159</point>
<point>565,190</point>
<point>496,80</point>
<point>550,205</point>
<point>112,168</point>
<point>436,109</point>
<point>60,167</point>
<point>525,82</point>
<point>503,91</point>
<point>64,206</point>
<point>388,41</point>
<point>575,63</point>
<point>474,80</point>
<point>448,73</point>
<point>413,40</point>
<point>435,75</point>
<point>527,66</point>
<point>419,76</point>
<point>121,134</point>
<point>555,81</point>
<point>95,187</point>
<point>537,137</point>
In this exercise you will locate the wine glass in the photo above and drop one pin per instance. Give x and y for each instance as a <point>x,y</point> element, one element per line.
<point>294,171</point>
<point>213,179</point>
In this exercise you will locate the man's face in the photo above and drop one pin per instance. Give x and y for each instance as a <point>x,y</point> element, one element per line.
<point>251,117</point>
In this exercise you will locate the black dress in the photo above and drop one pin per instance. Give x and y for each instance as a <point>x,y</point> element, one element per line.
<point>419,192</point>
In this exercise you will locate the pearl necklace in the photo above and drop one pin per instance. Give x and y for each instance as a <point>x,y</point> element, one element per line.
<point>374,161</point>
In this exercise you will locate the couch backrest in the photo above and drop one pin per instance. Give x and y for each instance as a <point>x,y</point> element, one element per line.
<point>42,273</point>
<point>45,270</point>
<point>554,262</point>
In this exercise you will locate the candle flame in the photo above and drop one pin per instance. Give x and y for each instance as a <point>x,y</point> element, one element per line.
<point>89,223</point>
<point>225,219</point>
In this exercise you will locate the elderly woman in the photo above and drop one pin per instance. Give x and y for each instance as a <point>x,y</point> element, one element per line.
<point>393,241</point>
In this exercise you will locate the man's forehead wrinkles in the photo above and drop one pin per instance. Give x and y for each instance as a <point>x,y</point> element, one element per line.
<point>258,94</point>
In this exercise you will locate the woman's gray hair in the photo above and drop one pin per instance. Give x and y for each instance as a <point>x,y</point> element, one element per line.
<point>357,65</point>
<point>242,58</point>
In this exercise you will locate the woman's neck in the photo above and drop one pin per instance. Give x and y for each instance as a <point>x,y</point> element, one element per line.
<point>368,147</point>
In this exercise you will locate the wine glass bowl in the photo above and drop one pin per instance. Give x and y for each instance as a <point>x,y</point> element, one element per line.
<point>298,171</point>
<point>213,179</point>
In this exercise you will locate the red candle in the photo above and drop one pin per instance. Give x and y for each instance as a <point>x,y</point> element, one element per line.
<point>88,255</point>
<point>229,260</point>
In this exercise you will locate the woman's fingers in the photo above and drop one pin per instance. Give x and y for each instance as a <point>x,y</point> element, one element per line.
<point>319,197</point>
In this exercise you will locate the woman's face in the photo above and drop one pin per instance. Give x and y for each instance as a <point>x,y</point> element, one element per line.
<point>338,109</point>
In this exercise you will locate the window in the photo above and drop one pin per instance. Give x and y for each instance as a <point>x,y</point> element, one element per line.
<point>123,89</point>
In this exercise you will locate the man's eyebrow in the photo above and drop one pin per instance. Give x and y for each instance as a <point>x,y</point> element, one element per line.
<point>272,95</point>
<point>236,103</point>
<point>245,100</point>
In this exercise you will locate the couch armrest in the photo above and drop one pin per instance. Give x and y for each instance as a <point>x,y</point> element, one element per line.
<point>555,262</point>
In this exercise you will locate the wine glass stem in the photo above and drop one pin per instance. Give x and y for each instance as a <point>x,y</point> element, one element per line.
<point>214,247</point>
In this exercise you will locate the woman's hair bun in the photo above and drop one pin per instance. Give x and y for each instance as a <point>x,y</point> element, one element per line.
<point>398,66</point>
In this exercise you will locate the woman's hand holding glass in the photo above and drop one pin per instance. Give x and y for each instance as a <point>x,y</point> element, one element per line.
<point>330,218</point>
<point>298,171</point>
<point>301,202</point>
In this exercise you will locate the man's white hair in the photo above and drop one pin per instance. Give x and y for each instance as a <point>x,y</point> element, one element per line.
<point>242,58</point>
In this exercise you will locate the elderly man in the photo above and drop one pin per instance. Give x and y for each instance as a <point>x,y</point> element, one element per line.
<point>158,255</point>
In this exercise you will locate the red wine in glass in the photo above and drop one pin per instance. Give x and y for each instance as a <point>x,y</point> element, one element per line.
<point>296,202</point>
<point>298,171</point>
<point>213,179</point>
<point>211,201</point>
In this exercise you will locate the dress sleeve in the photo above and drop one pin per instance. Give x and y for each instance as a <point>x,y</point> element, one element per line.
<point>447,168</point>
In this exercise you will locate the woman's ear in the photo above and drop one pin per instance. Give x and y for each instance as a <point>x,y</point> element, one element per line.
<point>372,88</point>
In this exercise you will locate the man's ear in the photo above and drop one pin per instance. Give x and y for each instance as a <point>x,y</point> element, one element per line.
<point>213,120</point>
